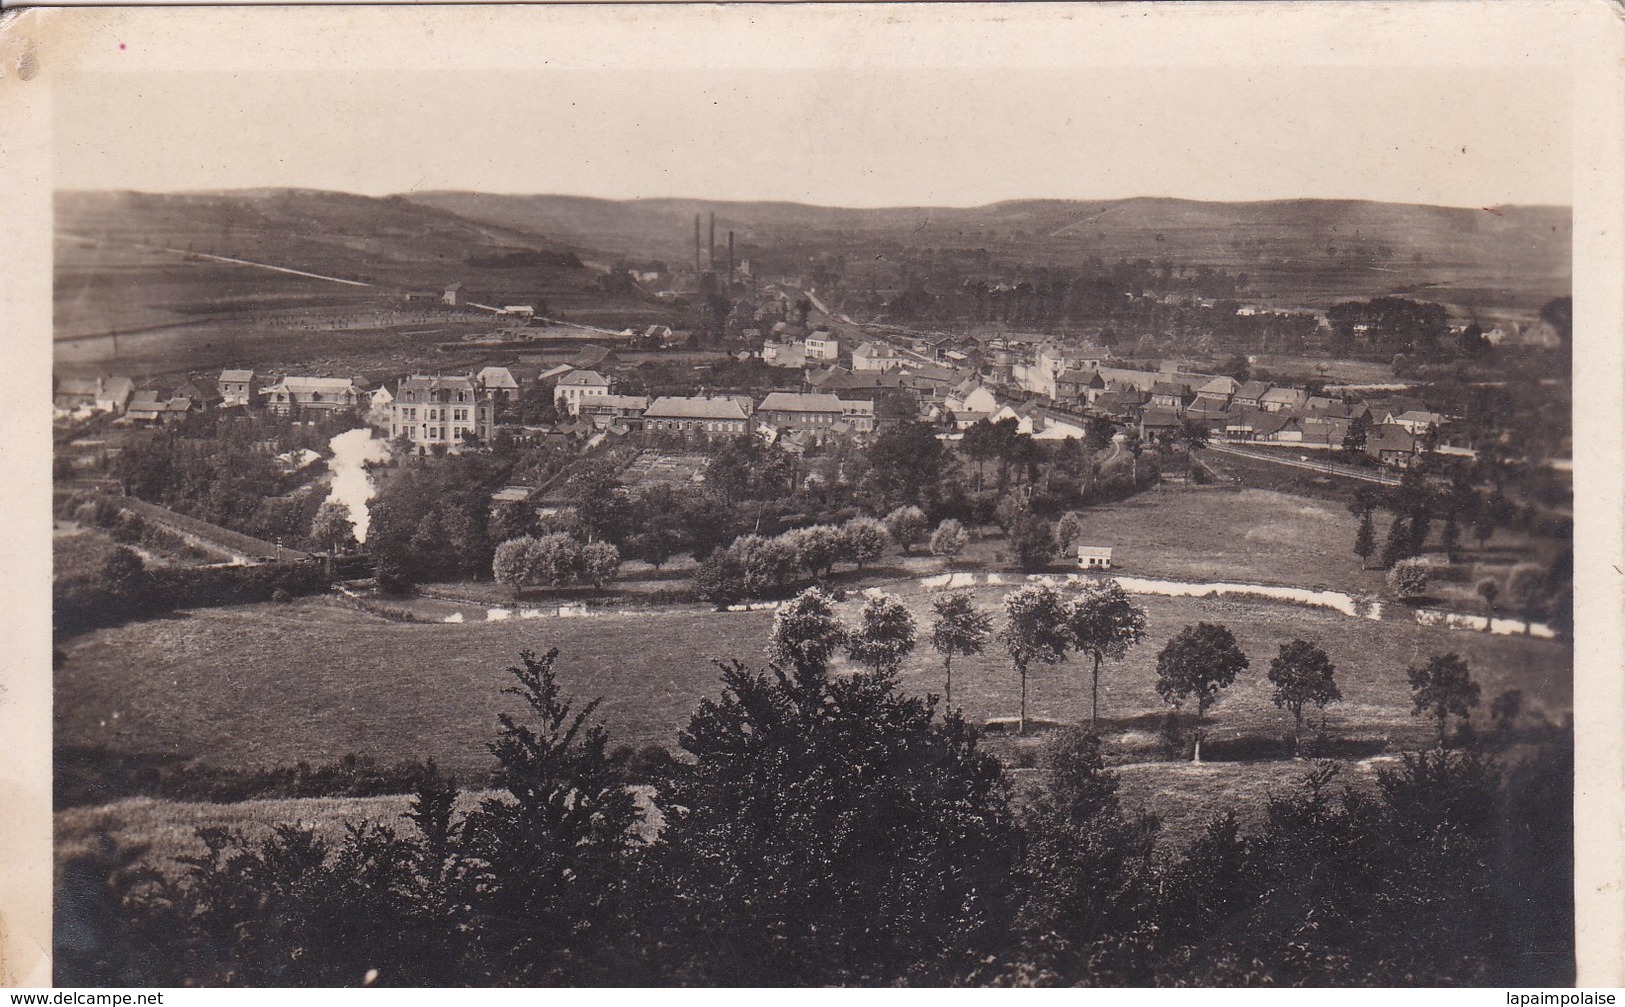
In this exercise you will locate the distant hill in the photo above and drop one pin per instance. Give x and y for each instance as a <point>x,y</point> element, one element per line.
<point>1514,255</point>
<point>176,276</point>
<point>390,240</point>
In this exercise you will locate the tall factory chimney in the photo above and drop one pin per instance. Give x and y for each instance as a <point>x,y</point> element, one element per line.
<point>730,260</point>
<point>696,244</point>
<point>711,253</point>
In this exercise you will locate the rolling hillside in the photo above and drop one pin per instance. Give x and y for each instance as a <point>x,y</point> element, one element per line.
<point>1504,257</point>
<point>254,276</point>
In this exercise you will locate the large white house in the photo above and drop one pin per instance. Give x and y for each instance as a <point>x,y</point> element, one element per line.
<point>875,357</point>
<point>576,386</point>
<point>445,411</point>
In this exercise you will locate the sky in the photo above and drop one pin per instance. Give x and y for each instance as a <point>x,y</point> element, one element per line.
<point>1459,136</point>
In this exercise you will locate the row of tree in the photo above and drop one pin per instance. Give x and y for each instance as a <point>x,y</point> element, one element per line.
<point>555,560</point>
<point>1099,621</point>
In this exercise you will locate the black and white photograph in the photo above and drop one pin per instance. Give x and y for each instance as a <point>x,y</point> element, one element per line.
<point>862,496</point>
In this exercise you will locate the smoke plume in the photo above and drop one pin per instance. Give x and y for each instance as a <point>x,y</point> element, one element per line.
<point>352,486</point>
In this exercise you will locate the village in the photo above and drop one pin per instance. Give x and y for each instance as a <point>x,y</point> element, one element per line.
<point>459,474</point>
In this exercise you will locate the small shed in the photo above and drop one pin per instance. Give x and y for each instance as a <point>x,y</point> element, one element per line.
<point>1095,557</point>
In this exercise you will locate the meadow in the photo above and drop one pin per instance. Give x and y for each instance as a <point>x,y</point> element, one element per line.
<point>260,685</point>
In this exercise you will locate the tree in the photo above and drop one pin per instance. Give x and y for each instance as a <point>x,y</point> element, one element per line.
<point>1504,709</point>
<point>599,564</point>
<point>1450,535</point>
<point>948,541</point>
<point>511,520</point>
<point>865,540</point>
<point>818,548</point>
<point>1365,540</point>
<point>1199,661</point>
<point>767,563</point>
<point>514,563</point>
<point>1135,446</point>
<point>720,579</point>
<point>1364,501</point>
<point>555,559</point>
<point>980,443</point>
<point>1398,543</point>
<point>1303,676</point>
<point>905,463</point>
<point>656,546</point>
<point>558,836</point>
<point>806,633</point>
<point>1408,580</point>
<point>1441,687</point>
<point>746,468</point>
<point>1355,437</point>
<point>884,635</point>
<point>1033,541</point>
<point>1104,623</point>
<point>1525,584</point>
<point>1483,526</point>
<point>1489,589</point>
<point>125,578</point>
<point>959,627</point>
<point>907,526</point>
<point>1035,632</point>
<point>830,831</point>
<point>331,530</point>
<point>1087,870</point>
<point>1068,530</point>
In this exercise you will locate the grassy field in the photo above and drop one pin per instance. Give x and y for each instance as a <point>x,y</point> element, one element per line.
<point>260,685</point>
<point>1207,533</point>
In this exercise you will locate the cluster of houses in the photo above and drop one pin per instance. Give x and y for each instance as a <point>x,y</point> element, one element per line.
<point>1052,390</point>
<point>587,395</point>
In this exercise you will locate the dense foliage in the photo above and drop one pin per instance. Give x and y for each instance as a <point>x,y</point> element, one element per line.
<point>833,830</point>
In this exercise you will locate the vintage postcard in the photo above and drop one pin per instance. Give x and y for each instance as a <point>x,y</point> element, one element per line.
<point>850,495</point>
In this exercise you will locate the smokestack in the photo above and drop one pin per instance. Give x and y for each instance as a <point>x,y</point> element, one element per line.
<point>696,243</point>
<point>730,260</point>
<point>711,250</point>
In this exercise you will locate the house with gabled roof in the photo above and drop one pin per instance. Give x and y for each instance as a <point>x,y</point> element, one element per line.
<point>1416,421</point>
<point>822,346</point>
<point>1251,394</point>
<point>1391,444</point>
<point>499,381</point>
<point>1279,428</point>
<point>1283,399</point>
<point>1172,395</point>
<point>201,392</point>
<point>576,386</point>
<point>1079,385</point>
<point>817,412</point>
<point>1159,420</point>
<point>147,406</point>
<point>238,387</point>
<point>875,357</point>
<point>1208,409</point>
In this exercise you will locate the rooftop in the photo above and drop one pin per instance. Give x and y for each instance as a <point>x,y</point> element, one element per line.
<point>696,407</point>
